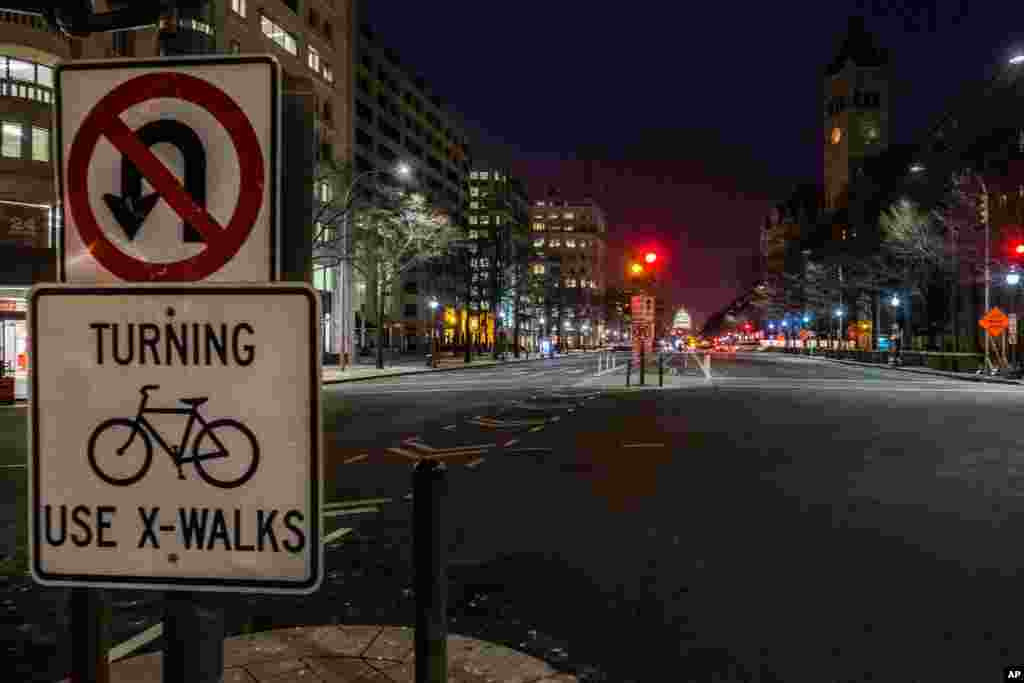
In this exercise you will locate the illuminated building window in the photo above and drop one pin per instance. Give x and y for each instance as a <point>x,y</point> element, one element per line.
<point>328,74</point>
<point>485,220</point>
<point>40,144</point>
<point>569,216</point>
<point>238,7</point>
<point>314,58</point>
<point>539,242</point>
<point>497,220</point>
<point>538,269</point>
<point>472,220</point>
<point>474,205</point>
<point>474,192</point>
<point>540,203</point>
<point>473,175</point>
<point>570,282</point>
<point>553,216</point>
<point>568,228</point>
<point>285,40</point>
<point>538,227</point>
<point>837,135</point>
<point>554,242</point>
<point>571,243</point>
<point>10,140</point>
<point>484,175</point>
<point>555,227</point>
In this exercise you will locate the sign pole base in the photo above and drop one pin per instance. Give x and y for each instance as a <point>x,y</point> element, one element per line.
<point>90,635</point>
<point>194,637</point>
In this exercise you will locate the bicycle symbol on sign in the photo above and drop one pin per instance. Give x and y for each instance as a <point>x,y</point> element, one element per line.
<point>112,431</point>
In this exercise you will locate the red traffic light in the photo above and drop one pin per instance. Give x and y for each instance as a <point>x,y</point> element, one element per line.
<point>650,257</point>
<point>1019,249</point>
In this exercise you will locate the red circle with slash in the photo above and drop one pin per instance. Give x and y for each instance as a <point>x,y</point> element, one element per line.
<point>222,243</point>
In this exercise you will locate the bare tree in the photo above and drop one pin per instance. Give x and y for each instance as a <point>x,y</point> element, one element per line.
<point>390,239</point>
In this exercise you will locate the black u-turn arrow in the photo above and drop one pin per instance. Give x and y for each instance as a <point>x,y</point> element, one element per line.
<point>132,207</point>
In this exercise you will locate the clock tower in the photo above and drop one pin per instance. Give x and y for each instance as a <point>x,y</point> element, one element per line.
<point>856,110</point>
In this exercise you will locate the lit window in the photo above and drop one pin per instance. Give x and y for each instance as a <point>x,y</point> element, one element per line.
<point>553,216</point>
<point>474,234</point>
<point>10,140</point>
<point>314,58</point>
<point>473,175</point>
<point>540,203</point>
<point>568,228</point>
<point>538,269</point>
<point>555,227</point>
<point>238,7</point>
<point>22,71</point>
<point>325,192</point>
<point>485,220</point>
<point>474,192</point>
<point>837,135</point>
<point>539,242</point>
<point>277,34</point>
<point>571,243</point>
<point>554,242</point>
<point>44,76</point>
<point>583,244</point>
<point>484,175</point>
<point>569,216</point>
<point>40,144</point>
<point>570,283</point>
<point>497,220</point>
<point>474,205</point>
<point>538,227</point>
<point>328,74</point>
<point>472,220</point>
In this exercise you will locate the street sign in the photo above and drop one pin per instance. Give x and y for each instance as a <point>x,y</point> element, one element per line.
<point>175,437</point>
<point>994,322</point>
<point>167,169</point>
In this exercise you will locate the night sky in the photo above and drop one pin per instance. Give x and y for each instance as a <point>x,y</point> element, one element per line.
<point>696,117</point>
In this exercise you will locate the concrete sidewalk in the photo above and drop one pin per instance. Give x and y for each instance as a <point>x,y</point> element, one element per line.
<point>351,654</point>
<point>333,374</point>
<point>967,377</point>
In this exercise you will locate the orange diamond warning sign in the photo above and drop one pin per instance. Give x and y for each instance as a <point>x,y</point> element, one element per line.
<point>994,322</point>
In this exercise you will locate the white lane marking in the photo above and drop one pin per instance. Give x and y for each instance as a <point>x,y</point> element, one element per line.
<point>510,442</point>
<point>475,462</point>
<point>121,650</point>
<point>356,503</point>
<point>643,445</point>
<point>357,458</point>
<point>416,443</point>
<point>349,511</point>
<point>337,533</point>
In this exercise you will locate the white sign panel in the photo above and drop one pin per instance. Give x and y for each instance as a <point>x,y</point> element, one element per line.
<point>175,437</point>
<point>167,169</point>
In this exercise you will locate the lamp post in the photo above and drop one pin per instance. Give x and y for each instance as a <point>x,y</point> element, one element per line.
<point>839,326</point>
<point>343,309</point>
<point>433,330</point>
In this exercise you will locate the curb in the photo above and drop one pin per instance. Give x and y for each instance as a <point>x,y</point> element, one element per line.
<point>351,653</point>
<point>917,371</point>
<point>424,371</point>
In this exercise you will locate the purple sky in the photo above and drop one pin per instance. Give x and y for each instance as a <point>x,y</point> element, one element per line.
<point>698,116</point>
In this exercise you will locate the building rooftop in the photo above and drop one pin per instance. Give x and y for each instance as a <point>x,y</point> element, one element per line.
<point>858,46</point>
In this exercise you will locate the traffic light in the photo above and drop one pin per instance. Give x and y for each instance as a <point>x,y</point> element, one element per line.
<point>650,257</point>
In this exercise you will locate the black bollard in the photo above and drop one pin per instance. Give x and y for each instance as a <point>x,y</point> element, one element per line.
<point>431,575</point>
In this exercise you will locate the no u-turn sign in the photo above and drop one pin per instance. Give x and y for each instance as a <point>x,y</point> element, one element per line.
<point>167,169</point>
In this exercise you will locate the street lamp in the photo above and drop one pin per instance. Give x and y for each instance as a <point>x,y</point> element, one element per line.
<point>433,333</point>
<point>895,300</point>
<point>1017,59</point>
<point>1012,278</point>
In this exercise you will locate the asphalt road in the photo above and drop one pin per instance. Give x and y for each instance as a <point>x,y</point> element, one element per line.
<point>792,520</point>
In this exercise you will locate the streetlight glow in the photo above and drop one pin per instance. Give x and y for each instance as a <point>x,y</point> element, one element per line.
<point>895,300</point>
<point>433,304</point>
<point>806,319</point>
<point>1017,59</point>
<point>1012,278</point>
<point>403,170</point>
<point>916,168</point>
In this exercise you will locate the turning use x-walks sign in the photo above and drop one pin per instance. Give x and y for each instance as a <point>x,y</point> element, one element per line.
<point>167,169</point>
